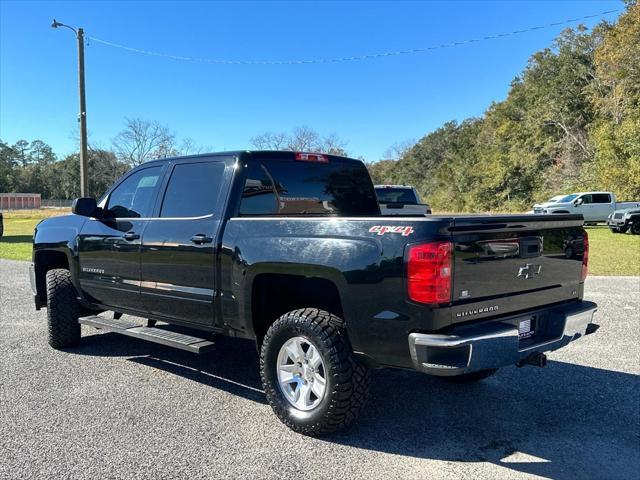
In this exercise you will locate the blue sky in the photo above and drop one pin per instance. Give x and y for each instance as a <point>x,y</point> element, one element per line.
<point>371,104</point>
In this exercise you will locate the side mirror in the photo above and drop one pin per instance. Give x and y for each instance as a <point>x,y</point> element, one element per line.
<point>579,201</point>
<point>85,207</point>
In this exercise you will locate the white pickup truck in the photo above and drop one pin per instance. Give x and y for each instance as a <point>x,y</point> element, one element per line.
<point>594,206</point>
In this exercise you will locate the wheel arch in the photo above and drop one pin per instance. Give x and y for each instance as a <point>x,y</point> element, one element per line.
<point>274,294</point>
<point>43,261</point>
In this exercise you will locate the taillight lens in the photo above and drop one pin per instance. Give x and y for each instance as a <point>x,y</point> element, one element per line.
<point>585,255</point>
<point>429,272</point>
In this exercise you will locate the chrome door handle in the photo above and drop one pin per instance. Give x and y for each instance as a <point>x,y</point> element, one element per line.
<point>199,239</point>
<point>131,236</point>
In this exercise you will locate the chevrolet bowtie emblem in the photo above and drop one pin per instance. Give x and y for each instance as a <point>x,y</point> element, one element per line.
<point>529,270</point>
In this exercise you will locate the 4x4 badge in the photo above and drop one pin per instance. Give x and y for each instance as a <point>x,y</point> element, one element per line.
<point>405,231</point>
<point>529,270</point>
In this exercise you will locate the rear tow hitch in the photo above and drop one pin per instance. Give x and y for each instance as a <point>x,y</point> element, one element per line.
<point>592,328</point>
<point>537,360</point>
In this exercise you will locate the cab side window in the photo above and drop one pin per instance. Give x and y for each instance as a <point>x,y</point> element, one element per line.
<point>133,198</point>
<point>601,198</point>
<point>193,190</point>
<point>586,199</point>
<point>259,195</point>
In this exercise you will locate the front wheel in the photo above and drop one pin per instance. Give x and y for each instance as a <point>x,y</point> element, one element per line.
<point>309,375</point>
<point>635,228</point>
<point>63,309</point>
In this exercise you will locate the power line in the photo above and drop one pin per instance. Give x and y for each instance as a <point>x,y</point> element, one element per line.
<point>347,59</point>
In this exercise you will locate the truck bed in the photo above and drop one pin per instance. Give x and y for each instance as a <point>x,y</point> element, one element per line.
<point>502,264</point>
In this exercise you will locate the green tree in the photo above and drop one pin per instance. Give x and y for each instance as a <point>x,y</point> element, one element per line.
<point>41,153</point>
<point>615,94</point>
<point>8,167</point>
<point>21,147</point>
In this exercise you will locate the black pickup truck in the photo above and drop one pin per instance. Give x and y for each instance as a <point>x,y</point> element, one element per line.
<point>290,250</point>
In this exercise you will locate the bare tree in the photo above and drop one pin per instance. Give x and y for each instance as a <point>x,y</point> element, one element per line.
<point>188,147</point>
<point>398,149</point>
<point>304,139</point>
<point>301,139</point>
<point>143,140</point>
<point>271,141</point>
<point>334,145</point>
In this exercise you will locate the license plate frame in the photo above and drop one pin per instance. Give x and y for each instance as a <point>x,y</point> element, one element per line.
<point>526,327</point>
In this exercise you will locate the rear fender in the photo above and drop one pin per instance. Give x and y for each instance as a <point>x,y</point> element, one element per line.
<point>342,261</point>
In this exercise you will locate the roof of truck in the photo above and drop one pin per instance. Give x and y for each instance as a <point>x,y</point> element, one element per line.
<point>267,154</point>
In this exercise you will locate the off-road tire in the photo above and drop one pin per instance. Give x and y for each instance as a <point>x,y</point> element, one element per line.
<point>635,228</point>
<point>62,309</point>
<point>470,377</point>
<point>347,380</point>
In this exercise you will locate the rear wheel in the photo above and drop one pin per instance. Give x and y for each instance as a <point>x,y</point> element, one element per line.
<point>310,378</point>
<point>63,309</point>
<point>471,377</point>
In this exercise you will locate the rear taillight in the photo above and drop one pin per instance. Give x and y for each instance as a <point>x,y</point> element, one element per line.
<point>585,255</point>
<point>312,157</point>
<point>429,272</point>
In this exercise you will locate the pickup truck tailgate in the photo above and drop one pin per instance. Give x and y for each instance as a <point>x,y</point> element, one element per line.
<point>498,257</point>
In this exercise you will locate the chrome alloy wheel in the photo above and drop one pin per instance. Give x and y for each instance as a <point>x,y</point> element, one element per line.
<point>301,373</point>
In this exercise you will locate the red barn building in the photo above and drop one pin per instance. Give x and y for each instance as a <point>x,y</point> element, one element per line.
<point>17,201</point>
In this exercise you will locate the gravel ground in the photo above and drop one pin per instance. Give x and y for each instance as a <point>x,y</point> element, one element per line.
<point>117,407</point>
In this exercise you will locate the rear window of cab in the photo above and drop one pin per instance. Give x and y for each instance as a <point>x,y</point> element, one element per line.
<point>280,187</point>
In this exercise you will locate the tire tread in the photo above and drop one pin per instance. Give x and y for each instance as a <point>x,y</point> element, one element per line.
<point>62,310</point>
<point>351,379</point>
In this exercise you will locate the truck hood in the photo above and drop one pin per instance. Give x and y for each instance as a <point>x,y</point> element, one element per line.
<point>551,204</point>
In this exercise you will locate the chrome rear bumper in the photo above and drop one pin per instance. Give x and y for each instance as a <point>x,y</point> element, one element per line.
<point>496,344</point>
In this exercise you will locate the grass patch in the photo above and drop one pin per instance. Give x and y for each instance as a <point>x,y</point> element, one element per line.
<point>613,253</point>
<point>609,254</point>
<point>17,239</point>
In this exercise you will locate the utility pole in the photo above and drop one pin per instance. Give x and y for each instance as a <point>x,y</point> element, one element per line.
<point>84,169</point>
<point>82,115</point>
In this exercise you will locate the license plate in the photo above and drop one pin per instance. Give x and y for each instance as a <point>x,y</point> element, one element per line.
<point>526,329</point>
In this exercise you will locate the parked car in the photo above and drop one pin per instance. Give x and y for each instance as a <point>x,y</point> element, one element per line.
<point>400,200</point>
<point>626,219</point>
<point>1,224</point>
<point>574,245</point>
<point>594,206</point>
<point>290,250</point>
